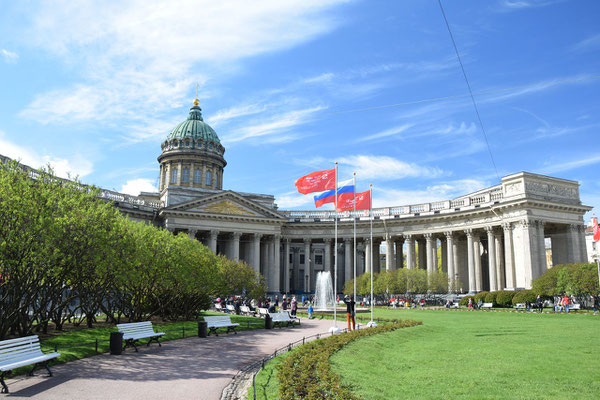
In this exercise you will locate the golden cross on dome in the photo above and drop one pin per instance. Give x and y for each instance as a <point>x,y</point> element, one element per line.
<point>196,102</point>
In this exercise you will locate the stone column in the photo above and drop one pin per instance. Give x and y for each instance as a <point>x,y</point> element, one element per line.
<point>167,175</point>
<point>399,253</point>
<point>492,258</point>
<point>256,252</point>
<point>348,270</point>
<point>390,260</point>
<point>296,278</point>
<point>276,263</point>
<point>235,254</point>
<point>509,256</point>
<point>471,260</point>
<point>573,243</point>
<point>192,233</point>
<point>160,178</point>
<point>542,265</point>
<point>179,170</point>
<point>584,256</point>
<point>429,255</point>
<point>212,241</point>
<point>422,254</point>
<point>307,265</point>
<point>367,242</point>
<point>477,259</point>
<point>191,175</point>
<point>376,255</point>
<point>450,261</point>
<point>410,252</point>
<point>328,255</point>
<point>286,265</point>
<point>499,261</point>
<point>526,254</point>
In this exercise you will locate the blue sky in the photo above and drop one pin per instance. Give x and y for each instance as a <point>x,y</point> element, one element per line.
<point>292,86</point>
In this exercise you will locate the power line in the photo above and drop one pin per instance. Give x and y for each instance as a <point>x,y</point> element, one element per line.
<point>470,91</point>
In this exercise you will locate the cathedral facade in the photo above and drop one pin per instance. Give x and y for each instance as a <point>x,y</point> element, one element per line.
<point>493,239</point>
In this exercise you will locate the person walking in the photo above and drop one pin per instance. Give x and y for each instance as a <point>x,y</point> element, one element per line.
<point>594,304</point>
<point>294,306</point>
<point>310,310</point>
<point>539,303</point>
<point>350,312</point>
<point>470,306</point>
<point>566,303</point>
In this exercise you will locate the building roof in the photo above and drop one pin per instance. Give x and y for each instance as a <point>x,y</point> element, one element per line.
<point>194,128</point>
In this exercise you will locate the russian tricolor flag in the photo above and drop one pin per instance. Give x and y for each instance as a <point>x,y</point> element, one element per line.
<point>329,196</point>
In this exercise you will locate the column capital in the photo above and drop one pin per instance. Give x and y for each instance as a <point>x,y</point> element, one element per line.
<point>469,232</point>
<point>489,229</point>
<point>327,240</point>
<point>525,223</point>
<point>236,235</point>
<point>449,234</point>
<point>428,237</point>
<point>276,238</point>
<point>213,232</point>
<point>540,223</point>
<point>348,240</point>
<point>287,240</point>
<point>407,237</point>
<point>507,226</point>
<point>367,240</point>
<point>257,236</point>
<point>307,240</point>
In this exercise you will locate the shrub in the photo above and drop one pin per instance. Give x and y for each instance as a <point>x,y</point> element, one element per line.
<point>481,296</point>
<point>504,298</point>
<point>524,295</point>
<point>491,298</point>
<point>305,374</point>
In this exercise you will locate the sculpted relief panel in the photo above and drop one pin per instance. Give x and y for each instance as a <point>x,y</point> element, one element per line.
<point>552,190</point>
<point>226,207</point>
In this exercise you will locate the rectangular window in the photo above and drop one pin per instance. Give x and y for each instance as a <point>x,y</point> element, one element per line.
<point>301,258</point>
<point>208,178</point>
<point>318,259</point>
<point>291,258</point>
<point>198,176</point>
<point>174,175</point>
<point>185,175</point>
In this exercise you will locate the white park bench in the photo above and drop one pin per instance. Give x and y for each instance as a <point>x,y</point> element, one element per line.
<point>263,312</point>
<point>487,305</point>
<point>574,307</point>
<point>135,331</point>
<point>246,310</point>
<point>216,322</point>
<point>15,353</point>
<point>520,306</point>
<point>280,318</point>
<point>219,307</point>
<point>230,308</point>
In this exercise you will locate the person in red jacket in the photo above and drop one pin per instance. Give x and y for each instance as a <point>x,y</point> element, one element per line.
<point>566,303</point>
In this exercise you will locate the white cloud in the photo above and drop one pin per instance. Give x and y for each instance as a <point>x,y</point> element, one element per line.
<point>134,53</point>
<point>9,56</point>
<point>569,165</point>
<point>275,125</point>
<point>135,186</point>
<point>386,133</point>
<point>75,166</point>
<point>516,5</point>
<point>587,44</point>
<point>386,168</point>
<point>294,199</point>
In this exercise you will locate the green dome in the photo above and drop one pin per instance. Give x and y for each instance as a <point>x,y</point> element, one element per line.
<point>194,128</point>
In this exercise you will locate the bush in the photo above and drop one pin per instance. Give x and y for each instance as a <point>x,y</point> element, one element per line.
<point>481,296</point>
<point>504,298</point>
<point>491,298</point>
<point>306,374</point>
<point>524,295</point>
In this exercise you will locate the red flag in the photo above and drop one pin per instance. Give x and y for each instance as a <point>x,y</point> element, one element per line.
<point>317,181</point>
<point>346,201</point>
<point>596,230</point>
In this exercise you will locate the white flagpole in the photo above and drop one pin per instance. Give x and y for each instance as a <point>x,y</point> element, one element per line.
<point>354,183</point>
<point>371,247</point>
<point>335,251</point>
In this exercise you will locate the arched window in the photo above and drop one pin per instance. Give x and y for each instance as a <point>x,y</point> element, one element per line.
<point>185,175</point>
<point>174,175</point>
<point>208,178</point>
<point>198,176</point>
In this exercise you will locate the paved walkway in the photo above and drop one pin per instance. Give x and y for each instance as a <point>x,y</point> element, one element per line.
<point>192,368</point>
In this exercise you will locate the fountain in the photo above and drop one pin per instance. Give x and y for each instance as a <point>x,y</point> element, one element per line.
<point>324,296</point>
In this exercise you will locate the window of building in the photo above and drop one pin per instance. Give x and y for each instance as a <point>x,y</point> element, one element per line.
<point>185,175</point>
<point>291,258</point>
<point>174,175</point>
<point>198,176</point>
<point>301,258</point>
<point>217,178</point>
<point>318,259</point>
<point>208,178</point>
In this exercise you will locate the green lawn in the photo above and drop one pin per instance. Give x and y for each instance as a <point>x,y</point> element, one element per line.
<point>474,355</point>
<point>459,354</point>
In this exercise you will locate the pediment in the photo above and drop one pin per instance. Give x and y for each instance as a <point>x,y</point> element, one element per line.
<point>226,203</point>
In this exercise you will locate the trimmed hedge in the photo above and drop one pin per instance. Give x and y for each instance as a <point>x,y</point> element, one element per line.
<point>465,300</point>
<point>524,295</point>
<point>491,298</point>
<point>306,373</point>
<point>481,296</point>
<point>504,298</point>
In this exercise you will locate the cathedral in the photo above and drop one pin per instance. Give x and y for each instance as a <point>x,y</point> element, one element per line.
<point>493,239</point>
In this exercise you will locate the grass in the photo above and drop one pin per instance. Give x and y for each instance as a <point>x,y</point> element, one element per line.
<point>267,384</point>
<point>476,355</point>
<point>469,355</point>
<point>76,343</point>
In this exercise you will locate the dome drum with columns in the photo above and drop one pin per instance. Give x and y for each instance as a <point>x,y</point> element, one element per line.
<point>502,237</point>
